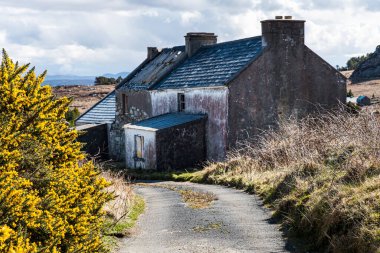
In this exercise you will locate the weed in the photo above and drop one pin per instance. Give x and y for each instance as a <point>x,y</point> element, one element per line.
<point>197,199</point>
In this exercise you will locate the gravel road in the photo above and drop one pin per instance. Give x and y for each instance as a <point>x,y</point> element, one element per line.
<point>235,222</point>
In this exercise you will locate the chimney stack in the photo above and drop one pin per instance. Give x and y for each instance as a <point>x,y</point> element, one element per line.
<point>152,52</point>
<point>193,41</point>
<point>282,30</point>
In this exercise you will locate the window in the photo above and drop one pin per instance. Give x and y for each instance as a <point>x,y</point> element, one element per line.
<point>124,103</point>
<point>181,102</point>
<point>139,146</point>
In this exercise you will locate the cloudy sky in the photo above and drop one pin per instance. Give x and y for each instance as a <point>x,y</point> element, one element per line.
<point>92,37</point>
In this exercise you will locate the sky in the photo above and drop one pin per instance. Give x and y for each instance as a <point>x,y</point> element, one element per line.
<point>92,37</point>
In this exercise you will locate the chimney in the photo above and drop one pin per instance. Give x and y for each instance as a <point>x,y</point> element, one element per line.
<point>152,52</point>
<point>282,30</point>
<point>193,41</point>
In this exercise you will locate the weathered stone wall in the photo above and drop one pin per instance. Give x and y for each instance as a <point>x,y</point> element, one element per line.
<point>138,108</point>
<point>289,80</point>
<point>95,138</point>
<point>181,146</point>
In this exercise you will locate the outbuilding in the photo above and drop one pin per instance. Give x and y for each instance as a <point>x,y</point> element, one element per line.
<point>165,142</point>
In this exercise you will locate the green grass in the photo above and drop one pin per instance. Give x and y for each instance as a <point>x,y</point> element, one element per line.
<point>179,176</point>
<point>114,229</point>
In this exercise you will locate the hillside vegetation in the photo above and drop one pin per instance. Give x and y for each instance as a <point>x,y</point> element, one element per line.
<point>321,176</point>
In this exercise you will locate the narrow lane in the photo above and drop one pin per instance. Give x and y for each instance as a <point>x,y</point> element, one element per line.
<point>236,222</point>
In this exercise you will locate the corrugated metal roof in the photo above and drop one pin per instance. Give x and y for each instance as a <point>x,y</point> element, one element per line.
<point>102,112</point>
<point>213,65</point>
<point>154,70</point>
<point>166,121</point>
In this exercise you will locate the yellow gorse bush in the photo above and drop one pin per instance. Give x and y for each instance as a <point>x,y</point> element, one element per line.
<point>50,199</point>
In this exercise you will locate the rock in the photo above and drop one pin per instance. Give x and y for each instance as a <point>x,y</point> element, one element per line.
<point>369,69</point>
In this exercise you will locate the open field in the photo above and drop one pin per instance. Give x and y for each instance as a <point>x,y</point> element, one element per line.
<point>83,96</point>
<point>368,88</point>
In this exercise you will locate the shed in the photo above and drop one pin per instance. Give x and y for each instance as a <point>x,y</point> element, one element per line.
<point>168,141</point>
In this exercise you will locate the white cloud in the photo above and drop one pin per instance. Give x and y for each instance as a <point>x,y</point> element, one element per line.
<point>95,36</point>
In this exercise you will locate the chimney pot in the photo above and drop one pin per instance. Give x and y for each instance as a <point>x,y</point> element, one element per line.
<point>276,32</point>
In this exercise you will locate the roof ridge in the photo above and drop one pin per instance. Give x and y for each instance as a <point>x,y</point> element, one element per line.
<point>231,42</point>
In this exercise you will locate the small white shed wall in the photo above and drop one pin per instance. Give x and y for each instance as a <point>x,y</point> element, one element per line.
<point>149,148</point>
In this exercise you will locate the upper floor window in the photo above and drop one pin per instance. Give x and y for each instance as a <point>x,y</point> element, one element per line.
<point>124,103</point>
<point>181,102</point>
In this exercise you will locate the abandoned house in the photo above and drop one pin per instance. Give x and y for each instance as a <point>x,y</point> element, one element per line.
<point>186,104</point>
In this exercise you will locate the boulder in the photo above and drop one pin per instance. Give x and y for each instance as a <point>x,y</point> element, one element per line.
<point>369,69</point>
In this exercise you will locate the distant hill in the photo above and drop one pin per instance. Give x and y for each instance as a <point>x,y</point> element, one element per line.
<point>68,80</point>
<point>368,69</point>
<point>122,74</point>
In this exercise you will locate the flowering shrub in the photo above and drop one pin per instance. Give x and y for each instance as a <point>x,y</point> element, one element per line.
<point>50,199</point>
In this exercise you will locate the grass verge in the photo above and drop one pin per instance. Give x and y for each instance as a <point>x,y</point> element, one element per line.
<point>122,212</point>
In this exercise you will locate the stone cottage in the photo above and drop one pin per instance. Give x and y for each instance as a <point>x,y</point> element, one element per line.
<point>191,103</point>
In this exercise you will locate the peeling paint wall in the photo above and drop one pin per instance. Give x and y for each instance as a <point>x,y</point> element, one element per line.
<point>148,161</point>
<point>210,101</point>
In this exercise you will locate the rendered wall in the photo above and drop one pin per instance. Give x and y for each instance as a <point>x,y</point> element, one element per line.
<point>148,160</point>
<point>210,101</point>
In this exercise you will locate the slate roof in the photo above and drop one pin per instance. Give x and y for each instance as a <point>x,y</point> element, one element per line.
<point>213,65</point>
<point>102,112</point>
<point>154,70</point>
<point>166,121</point>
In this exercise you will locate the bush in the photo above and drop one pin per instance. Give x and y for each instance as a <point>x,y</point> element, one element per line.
<point>102,80</point>
<point>51,199</point>
<point>71,115</point>
<point>350,94</point>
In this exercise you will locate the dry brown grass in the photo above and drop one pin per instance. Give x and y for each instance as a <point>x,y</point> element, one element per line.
<point>321,175</point>
<point>367,88</point>
<point>119,207</point>
<point>122,212</point>
<point>193,198</point>
<point>196,199</point>
<point>84,96</point>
